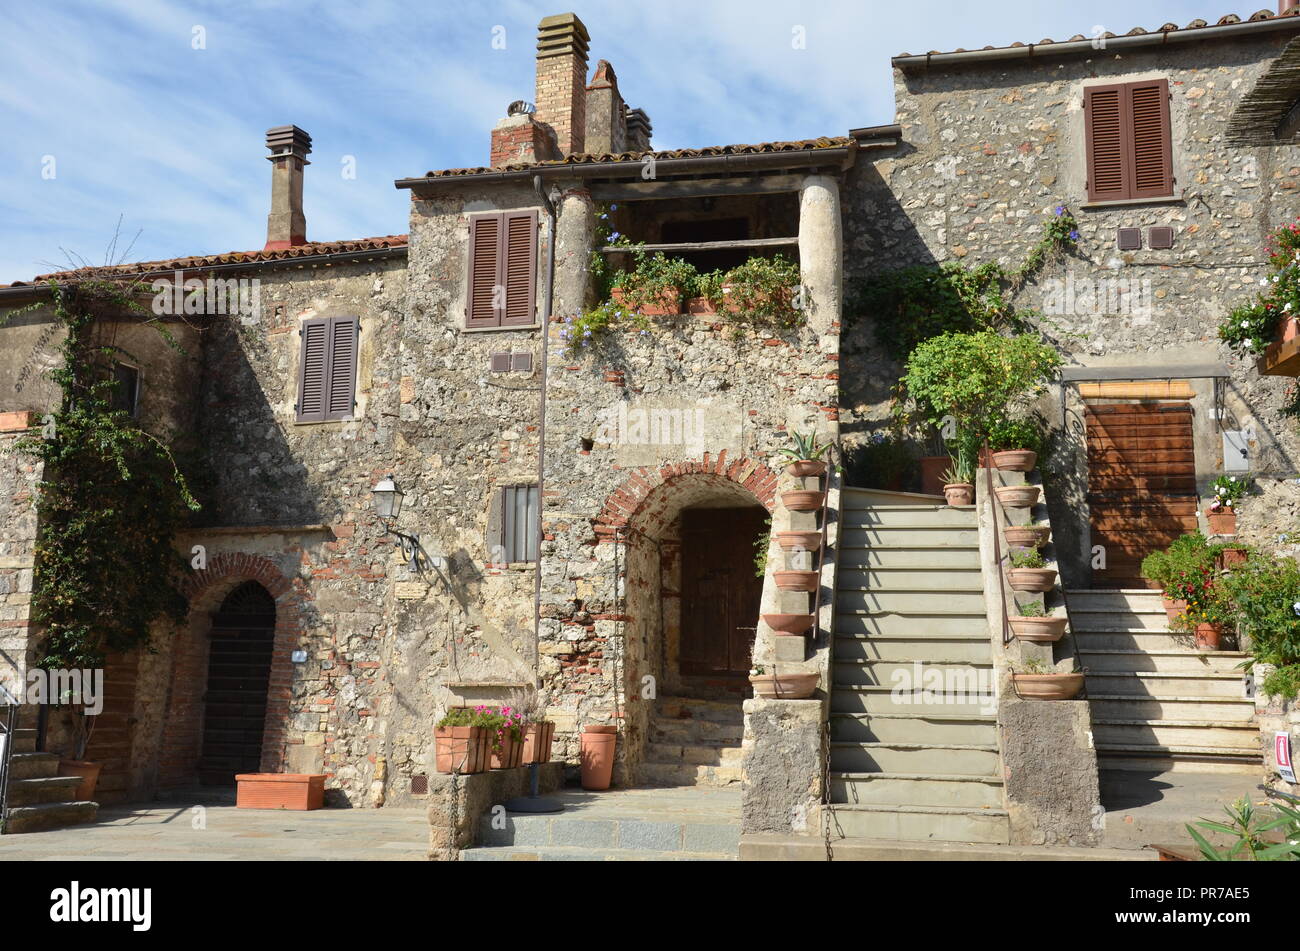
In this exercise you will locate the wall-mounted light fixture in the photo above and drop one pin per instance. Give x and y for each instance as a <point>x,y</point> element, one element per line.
<point>388,504</point>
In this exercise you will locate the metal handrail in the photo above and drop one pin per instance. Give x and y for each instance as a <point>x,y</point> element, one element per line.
<point>7,727</point>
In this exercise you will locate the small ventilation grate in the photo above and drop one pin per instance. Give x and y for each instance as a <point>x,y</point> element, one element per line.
<point>1128,239</point>
<point>419,785</point>
<point>1160,238</point>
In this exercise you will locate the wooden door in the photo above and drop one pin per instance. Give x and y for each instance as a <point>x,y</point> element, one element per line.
<point>720,590</point>
<point>1141,484</point>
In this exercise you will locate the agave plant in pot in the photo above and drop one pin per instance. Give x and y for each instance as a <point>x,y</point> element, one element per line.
<point>1033,623</point>
<point>959,480</point>
<point>805,456</point>
<point>1029,571</point>
<point>1035,680</point>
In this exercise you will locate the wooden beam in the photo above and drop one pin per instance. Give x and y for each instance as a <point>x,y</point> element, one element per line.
<point>695,188</point>
<point>704,245</point>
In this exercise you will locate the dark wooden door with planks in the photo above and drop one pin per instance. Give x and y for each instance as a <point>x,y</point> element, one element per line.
<point>1141,484</point>
<point>720,590</point>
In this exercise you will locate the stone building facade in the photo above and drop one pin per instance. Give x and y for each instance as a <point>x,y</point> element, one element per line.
<point>370,650</point>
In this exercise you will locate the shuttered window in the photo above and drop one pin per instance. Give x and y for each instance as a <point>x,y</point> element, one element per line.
<point>1130,155</point>
<point>327,368</point>
<point>501,289</point>
<point>518,523</point>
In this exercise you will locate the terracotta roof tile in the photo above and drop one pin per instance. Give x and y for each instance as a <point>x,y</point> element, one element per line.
<point>310,249</point>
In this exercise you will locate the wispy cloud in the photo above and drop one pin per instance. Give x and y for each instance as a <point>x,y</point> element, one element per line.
<point>155,111</point>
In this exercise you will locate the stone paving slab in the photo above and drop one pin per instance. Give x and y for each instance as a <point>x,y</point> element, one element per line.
<point>165,832</point>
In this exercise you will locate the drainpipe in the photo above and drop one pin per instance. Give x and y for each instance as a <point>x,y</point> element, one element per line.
<point>541,420</point>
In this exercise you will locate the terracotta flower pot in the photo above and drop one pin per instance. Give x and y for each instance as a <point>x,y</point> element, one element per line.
<point>797,580</point>
<point>1032,579</point>
<point>806,467</point>
<point>1026,536</point>
<point>1048,686</point>
<point>462,749</point>
<point>295,791</point>
<point>932,470</point>
<point>1290,329</point>
<point>1015,460</point>
<point>1173,609</point>
<point>1037,629</point>
<point>784,686</point>
<point>1230,557</point>
<point>959,493</point>
<point>802,500</point>
<point>1208,636</point>
<point>89,774</point>
<point>1222,523</point>
<point>667,305</point>
<point>511,753</point>
<point>700,305</point>
<point>597,755</point>
<point>801,541</point>
<point>1017,496</point>
<point>537,742</point>
<point>789,623</point>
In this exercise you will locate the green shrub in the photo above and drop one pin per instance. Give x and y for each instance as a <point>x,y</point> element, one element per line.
<point>1027,558</point>
<point>1023,433</point>
<point>1266,595</point>
<point>761,292</point>
<point>880,462</point>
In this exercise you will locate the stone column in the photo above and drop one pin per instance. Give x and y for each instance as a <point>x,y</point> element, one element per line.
<point>821,252</point>
<point>575,232</point>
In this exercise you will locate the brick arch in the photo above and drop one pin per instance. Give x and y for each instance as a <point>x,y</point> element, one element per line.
<point>183,740</point>
<point>625,502</point>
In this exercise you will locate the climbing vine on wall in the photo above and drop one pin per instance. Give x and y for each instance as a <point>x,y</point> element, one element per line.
<point>111,499</point>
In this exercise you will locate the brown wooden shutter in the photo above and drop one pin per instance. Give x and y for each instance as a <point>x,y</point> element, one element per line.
<point>313,364</point>
<point>520,269</point>
<point>342,386</point>
<point>1104,122</point>
<point>1129,143</point>
<point>484,270</point>
<point>1150,140</point>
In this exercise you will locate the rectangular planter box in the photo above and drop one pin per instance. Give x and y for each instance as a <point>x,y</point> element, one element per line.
<point>510,755</point>
<point>537,742</point>
<point>463,749</point>
<point>299,791</point>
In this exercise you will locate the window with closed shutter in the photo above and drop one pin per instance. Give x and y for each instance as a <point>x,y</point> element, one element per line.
<point>1129,143</point>
<point>501,288</point>
<point>327,368</point>
<point>518,523</point>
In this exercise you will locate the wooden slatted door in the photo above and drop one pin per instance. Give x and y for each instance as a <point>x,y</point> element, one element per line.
<point>1141,484</point>
<point>720,590</point>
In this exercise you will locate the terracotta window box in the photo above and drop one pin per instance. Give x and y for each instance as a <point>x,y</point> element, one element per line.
<point>296,791</point>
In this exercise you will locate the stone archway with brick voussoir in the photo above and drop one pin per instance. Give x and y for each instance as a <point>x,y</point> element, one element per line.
<point>692,602</point>
<point>183,741</point>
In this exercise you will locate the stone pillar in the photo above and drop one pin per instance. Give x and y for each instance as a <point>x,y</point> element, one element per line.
<point>606,132</point>
<point>575,234</point>
<point>562,43</point>
<point>782,767</point>
<point>286,225</point>
<point>821,251</point>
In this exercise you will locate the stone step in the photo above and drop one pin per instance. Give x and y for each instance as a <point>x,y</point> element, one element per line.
<point>945,517</point>
<point>896,757</point>
<point>53,815</point>
<point>856,699</point>
<point>930,728</point>
<point>26,792</point>
<point>688,708</point>
<point>946,557</point>
<point>699,732</point>
<point>1192,683</point>
<point>898,789</point>
<point>694,755</point>
<point>775,848</point>
<point>946,675</point>
<point>1126,601</point>
<point>1117,621</point>
<point>919,600</point>
<point>1170,660</point>
<point>1133,707</point>
<point>1136,640</point>
<point>1169,762</point>
<point>954,648</point>
<point>914,537</point>
<point>568,831</point>
<point>33,765</point>
<point>918,823</point>
<point>510,853</point>
<point>903,579</point>
<point>684,774</point>
<point>24,741</point>
<point>1202,734</point>
<point>916,624</point>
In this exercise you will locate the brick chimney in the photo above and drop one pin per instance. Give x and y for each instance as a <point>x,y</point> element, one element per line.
<point>520,138</point>
<point>638,131</point>
<point>606,121</point>
<point>1285,6</point>
<point>562,43</point>
<point>286,226</point>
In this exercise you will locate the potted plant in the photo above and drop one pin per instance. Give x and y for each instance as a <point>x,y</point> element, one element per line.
<point>803,500</point>
<point>789,623</point>
<point>597,755</point>
<point>1017,496</point>
<point>1029,571</point>
<point>1034,680</point>
<point>463,742</point>
<point>1026,536</point>
<point>1015,444</point>
<point>800,540</point>
<point>805,455</point>
<point>81,725</point>
<point>1210,611</point>
<point>1266,595</point>
<point>790,686</point>
<point>507,726</point>
<point>796,580</point>
<point>654,285</point>
<point>1231,555</point>
<point>959,480</point>
<point>1183,570</point>
<point>1221,515</point>
<point>760,292</point>
<point>1035,624</point>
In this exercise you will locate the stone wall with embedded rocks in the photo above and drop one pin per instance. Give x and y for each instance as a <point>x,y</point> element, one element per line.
<point>19,476</point>
<point>990,150</point>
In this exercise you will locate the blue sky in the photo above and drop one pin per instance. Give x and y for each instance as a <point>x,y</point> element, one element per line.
<point>141,125</point>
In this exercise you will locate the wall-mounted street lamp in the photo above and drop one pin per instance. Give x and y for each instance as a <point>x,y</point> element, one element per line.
<point>388,504</point>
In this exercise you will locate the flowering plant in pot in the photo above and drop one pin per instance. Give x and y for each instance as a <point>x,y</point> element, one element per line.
<point>1210,612</point>
<point>655,284</point>
<point>1251,328</point>
<point>1184,569</point>
<point>508,726</point>
<point>1015,444</point>
<point>1035,680</point>
<point>805,456</point>
<point>761,292</point>
<point>463,741</point>
<point>1029,571</point>
<point>791,686</point>
<point>1035,624</point>
<point>1222,512</point>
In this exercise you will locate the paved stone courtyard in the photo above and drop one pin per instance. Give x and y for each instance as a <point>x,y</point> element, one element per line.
<point>166,832</point>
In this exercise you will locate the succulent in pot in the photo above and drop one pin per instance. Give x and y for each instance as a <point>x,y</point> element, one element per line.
<point>959,480</point>
<point>1035,624</point>
<point>1036,681</point>
<point>805,456</point>
<point>1029,571</point>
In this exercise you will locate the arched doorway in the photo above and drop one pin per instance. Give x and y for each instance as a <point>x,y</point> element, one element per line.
<point>241,644</point>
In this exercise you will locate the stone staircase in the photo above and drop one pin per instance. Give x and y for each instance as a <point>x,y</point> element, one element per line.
<point>693,743</point>
<point>1158,703</point>
<point>38,797</point>
<point>917,766</point>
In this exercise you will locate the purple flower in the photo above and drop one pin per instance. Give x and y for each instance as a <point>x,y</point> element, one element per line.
<point>614,236</point>
<point>1074,235</point>
<point>1060,210</point>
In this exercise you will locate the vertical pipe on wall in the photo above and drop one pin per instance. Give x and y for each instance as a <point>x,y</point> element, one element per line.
<point>549,208</point>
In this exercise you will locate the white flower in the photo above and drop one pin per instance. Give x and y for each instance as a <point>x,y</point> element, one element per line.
<point>1232,478</point>
<point>1296,608</point>
<point>1245,323</point>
